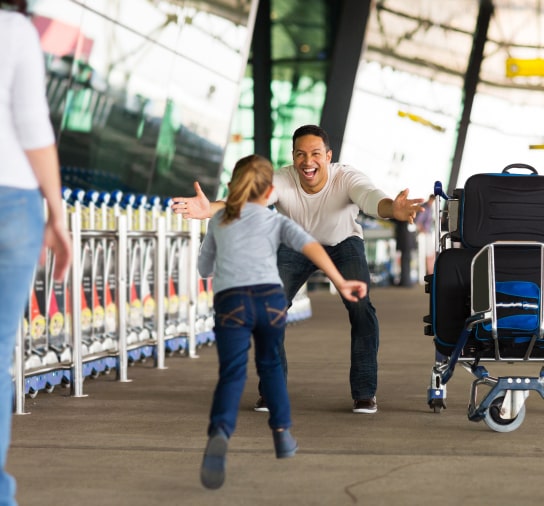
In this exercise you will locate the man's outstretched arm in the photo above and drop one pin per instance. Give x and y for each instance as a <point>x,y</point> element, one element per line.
<point>198,206</point>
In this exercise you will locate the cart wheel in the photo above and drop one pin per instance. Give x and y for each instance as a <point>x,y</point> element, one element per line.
<point>437,405</point>
<point>49,388</point>
<point>494,421</point>
<point>32,393</point>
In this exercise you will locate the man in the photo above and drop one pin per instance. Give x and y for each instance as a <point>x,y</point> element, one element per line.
<point>325,199</point>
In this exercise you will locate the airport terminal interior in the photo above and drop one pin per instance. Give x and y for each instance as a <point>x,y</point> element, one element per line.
<point>148,96</point>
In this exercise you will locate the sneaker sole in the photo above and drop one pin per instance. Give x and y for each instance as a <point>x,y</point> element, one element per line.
<point>261,410</point>
<point>284,444</point>
<point>212,473</point>
<point>288,454</point>
<point>366,411</point>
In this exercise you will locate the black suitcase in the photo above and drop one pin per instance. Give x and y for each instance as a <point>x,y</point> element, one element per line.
<point>517,275</point>
<point>502,206</point>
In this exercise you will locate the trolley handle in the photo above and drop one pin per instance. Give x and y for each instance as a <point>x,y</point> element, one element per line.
<point>439,192</point>
<point>530,168</point>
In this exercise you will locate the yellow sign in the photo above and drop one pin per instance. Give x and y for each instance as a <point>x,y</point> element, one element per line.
<point>516,67</point>
<point>419,119</point>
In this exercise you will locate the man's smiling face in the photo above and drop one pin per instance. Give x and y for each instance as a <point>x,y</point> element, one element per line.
<point>311,160</point>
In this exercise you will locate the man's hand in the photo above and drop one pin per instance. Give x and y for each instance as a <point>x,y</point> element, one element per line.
<point>405,209</point>
<point>193,207</point>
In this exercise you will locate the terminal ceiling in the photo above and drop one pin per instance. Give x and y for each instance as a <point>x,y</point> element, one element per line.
<point>431,38</point>
<point>434,39</point>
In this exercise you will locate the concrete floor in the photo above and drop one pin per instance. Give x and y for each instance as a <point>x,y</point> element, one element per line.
<point>140,443</point>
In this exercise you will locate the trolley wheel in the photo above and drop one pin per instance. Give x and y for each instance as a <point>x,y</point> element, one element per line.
<point>494,421</point>
<point>437,405</point>
<point>32,393</point>
<point>49,388</point>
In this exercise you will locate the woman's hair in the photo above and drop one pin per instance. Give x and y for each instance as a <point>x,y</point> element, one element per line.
<point>251,177</point>
<point>18,5</point>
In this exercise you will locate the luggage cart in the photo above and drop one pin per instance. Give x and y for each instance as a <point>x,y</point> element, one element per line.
<point>176,293</point>
<point>486,292</point>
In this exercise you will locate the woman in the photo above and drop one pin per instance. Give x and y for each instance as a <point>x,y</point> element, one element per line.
<point>29,173</point>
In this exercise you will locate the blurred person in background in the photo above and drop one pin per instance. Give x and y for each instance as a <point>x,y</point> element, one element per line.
<point>425,226</point>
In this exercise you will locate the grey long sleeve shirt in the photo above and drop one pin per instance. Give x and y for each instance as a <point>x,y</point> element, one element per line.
<point>243,252</point>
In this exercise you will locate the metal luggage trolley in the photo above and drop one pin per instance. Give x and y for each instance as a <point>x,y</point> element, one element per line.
<point>486,292</point>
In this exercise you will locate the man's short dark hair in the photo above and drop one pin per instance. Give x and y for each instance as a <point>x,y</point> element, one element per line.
<point>312,130</point>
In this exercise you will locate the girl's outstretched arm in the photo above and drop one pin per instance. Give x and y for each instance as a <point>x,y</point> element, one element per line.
<point>351,290</point>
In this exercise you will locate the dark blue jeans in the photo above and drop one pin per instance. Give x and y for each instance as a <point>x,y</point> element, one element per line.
<point>350,259</point>
<point>260,310</point>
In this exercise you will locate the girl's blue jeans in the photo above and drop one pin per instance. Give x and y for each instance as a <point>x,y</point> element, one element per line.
<point>350,259</point>
<point>261,311</point>
<point>22,225</point>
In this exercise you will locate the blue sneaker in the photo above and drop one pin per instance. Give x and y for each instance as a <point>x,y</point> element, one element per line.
<point>284,444</point>
<point>212,472</point>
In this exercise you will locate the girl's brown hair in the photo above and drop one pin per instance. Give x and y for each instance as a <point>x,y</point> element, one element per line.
<point>251,177</point>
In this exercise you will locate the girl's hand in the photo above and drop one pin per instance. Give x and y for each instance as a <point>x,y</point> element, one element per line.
<point>353,290</point>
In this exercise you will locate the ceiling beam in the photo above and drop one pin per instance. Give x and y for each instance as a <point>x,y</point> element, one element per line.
<point>469,88</point>
<point>348,46</point>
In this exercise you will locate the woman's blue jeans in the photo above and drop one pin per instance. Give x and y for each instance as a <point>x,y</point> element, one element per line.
<point>350,259</point>
<point>261,311</point>
<point>22,225</point>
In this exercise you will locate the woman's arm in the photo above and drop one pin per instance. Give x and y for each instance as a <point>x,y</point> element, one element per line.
<point>45,165</point>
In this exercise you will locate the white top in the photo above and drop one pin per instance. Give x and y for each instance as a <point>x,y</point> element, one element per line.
<point>331,214</point>
<point>24,112</point>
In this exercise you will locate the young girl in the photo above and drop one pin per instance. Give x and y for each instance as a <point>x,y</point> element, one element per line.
<point>239,249</point>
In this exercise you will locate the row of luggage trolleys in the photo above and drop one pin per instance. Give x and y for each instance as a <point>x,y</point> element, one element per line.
<point>133,294</point>
<point>485,294</point>
<point>110,311</point>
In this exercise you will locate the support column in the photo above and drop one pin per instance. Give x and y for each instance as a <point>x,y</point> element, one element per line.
<point>348,46</point>
<point>472,77</point>
<point>262,79</point>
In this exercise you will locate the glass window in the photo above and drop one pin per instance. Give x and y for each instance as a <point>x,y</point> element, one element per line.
<point>142,93</point>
